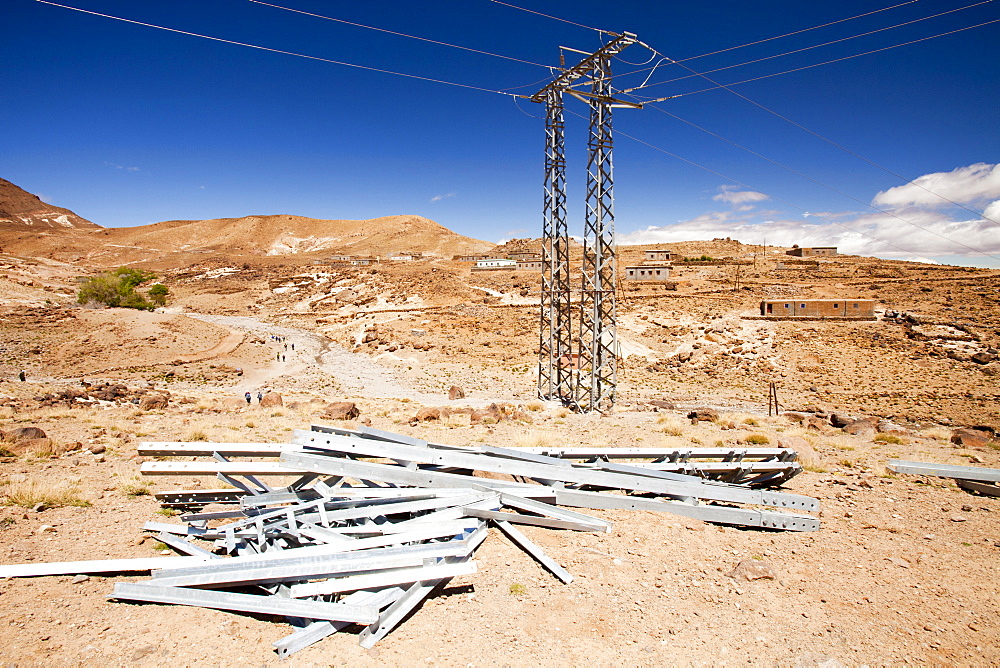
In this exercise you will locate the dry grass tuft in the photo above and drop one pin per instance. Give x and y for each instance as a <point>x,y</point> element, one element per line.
<point>51,494</point>
<point>534,439</point>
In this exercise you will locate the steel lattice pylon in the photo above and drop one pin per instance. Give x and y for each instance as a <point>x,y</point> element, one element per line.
<point>555,344</point>
<point>598,341</point>
<point>579,366</point>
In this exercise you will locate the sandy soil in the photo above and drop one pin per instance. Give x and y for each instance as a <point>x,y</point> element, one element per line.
<point>901,572</point>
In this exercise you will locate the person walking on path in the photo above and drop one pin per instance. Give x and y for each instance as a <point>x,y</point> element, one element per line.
<point>248,398</point>
<point>293,346</point>
<point>21,376</point>
<point>260,395</point>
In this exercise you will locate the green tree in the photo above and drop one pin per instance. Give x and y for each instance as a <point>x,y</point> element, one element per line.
<point>116,289</point>
<point>158,294</point>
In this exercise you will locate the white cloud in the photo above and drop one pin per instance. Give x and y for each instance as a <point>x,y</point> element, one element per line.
<point>438,198</point>
<point>734,197</point>
<point>963,185</point>
<point>911,229</point>
<point>121,167</point>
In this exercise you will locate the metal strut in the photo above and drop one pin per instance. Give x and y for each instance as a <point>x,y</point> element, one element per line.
<point>598,345</point>
<point>555,344</point>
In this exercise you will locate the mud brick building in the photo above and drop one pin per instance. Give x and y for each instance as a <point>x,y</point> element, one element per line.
<point>647,272</point>
<point>818,308</point>
<point>815,251</point>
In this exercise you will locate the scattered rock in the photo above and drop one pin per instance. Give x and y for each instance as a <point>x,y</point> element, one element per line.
<point>661,403</point>
<point>958,518</point>
<point>45,528</point>
<point>862,427</point>
<point>425,414</point>
<point>97,448</point>
<point>455,392</point>
<point>18,434</point>
<point>232,404</point>
<point>340,410</point>
<point>970,438</point>
<point>706,414</point>
<point>751,569</point>
<point>983,358</point>
<point>271,400</point>
<point>838,420</point>
<point>152,402</point>
<point>40,447</point>
<point>77,579</point>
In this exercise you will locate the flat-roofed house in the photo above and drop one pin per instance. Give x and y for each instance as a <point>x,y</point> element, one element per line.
<point>815,251</point>
<point>495,263</point>
<point>658,255</point>
<point>647,272</point>
<point>818,308</point>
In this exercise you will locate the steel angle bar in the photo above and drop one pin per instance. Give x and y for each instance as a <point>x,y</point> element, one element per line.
<point>945,470</point>
<point>386,509</point>
<point>233,482</point>
<point>202,449</point>
<point>240,570</point>
<point>184,546</point>
<point>418,591</point>
<point>96,566</point>
<point>395,539</point>
<point>707,513</point>
<point>571,474</point>
<point>398,576</point>
<point>280,496</point>
<point>316,631</point>
<point>269,605</point>
<point>213,468</point>
<point>669,454</point>
<point>515,501</point>
<point>369,432</point>
<point>534,520</point>
<point>526,456</point>
<point>217,515</point>
<point>981,487</point>
<point>197,497</point>
<point>178,529</point>
<point>396,474</point>
<point>535,551</point>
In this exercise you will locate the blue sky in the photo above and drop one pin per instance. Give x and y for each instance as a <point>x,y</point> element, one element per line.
<point>129,125</point>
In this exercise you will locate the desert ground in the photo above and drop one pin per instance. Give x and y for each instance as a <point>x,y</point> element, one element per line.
<point>901,572</point>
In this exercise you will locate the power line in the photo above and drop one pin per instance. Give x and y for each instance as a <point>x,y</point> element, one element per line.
<point>717,86</point>
<point>398,34</point>
<point>820,183</point>
<point>833,143</point>
<point>778,199</point>
<point>554,18</point>
<point>808,48</point>
<point>286,53</point>
<point>798,32</point>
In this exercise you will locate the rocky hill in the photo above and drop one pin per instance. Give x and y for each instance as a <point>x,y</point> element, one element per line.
<point>19,209</point>
<point>31,228</point>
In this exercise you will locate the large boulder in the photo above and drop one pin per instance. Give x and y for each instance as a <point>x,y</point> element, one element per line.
<point>271,400</point>
<point>425,414</point>
<point>863,427</point>
<point>152,402</point>
<point>455,392</point>
<point>807,455</point>
<point>18,434</point>
<point>983,357</point>
<point>704,414</point>
<point>970,438</point>
<point>233,404</point>
<point>840,420</point>
<point>40,447</point>
<point>340,410</point>
<point>662,403</point>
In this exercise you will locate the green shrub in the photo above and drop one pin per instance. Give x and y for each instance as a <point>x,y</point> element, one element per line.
<point>158,294</point>
<point>889,438</point>
<point>117,289</point>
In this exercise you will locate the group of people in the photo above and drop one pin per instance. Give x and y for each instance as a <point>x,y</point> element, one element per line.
<point>280,339</point>
<point>249,397</point>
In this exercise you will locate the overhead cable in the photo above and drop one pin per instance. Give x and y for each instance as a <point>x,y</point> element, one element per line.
<point>841,147</point>
<point>554,18</point>
<point>398,34</point>
<point>798,32</point>
<point>286,53</point>
<point>749,187</point>
<point>824,185</point>
<point>806,48</point>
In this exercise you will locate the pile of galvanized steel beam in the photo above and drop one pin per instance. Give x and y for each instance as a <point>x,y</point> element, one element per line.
<point>372,522</point>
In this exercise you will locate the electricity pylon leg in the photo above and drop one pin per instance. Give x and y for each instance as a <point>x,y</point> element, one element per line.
<point>598,344</point>
<point>555,345</point>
